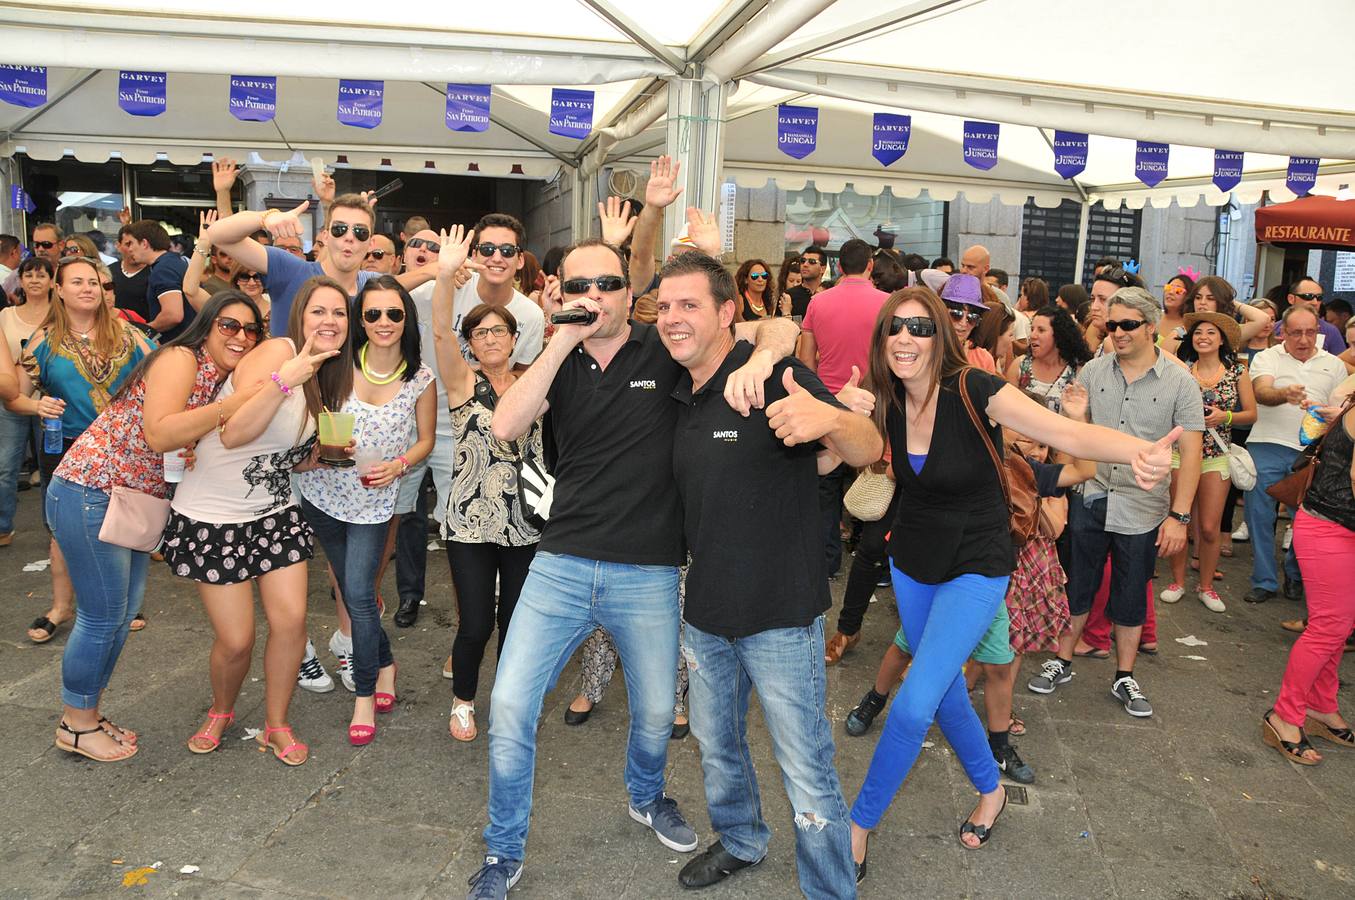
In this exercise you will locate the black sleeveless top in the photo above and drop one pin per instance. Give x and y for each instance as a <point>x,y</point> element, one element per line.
<point>1330,494</point>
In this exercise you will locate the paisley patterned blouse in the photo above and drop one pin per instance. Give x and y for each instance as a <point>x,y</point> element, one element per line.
<point>483,507</point>
<point>81,377</point>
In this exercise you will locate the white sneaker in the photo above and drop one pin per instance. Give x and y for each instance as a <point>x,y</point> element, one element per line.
<point>341,645</point>
<point>1171,593</point>
<point>1212,601</point>
<point>312,676</point>
<point>1288,536</point>
<point>1242,534</point>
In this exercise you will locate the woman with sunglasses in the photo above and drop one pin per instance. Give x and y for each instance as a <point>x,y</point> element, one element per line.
<point>1213,294</point>
<point>234,519</point>
<point>963,296</point>
<point>79,245</point>
<point>755,300</point>
<point>165,404</point>
<point>69,369</point>
<point>394,405</point>
<point>488,536</point>
<point>33,300</point>
<point>1174,292</point>
<point>951,545</point>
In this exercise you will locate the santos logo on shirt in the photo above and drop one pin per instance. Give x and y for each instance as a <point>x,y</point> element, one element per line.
<point>647,384</point>
<point>729,437</point>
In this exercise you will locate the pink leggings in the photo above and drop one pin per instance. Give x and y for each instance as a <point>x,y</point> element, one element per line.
<point>1326,555</point>
<point>1097,631</point>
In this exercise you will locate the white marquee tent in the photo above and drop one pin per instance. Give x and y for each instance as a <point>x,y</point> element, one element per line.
<point>703,78</point>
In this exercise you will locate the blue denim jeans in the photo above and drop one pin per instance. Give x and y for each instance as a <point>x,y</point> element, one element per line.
<point>785,667</point>
<point>109,584</point>
<point>562,601</point>
<point>355,552</point>
<point>1272,465</point>
<point>14,433</point>
<point>943,623</point>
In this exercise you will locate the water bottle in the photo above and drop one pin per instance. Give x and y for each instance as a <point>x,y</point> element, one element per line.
<point>51,436</point>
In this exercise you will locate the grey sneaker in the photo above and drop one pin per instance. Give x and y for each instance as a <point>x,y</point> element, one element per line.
<point>494,879</point>
<point>1052,674</point>
<point>662,815</point>
<point>312,676</point>
<point>1127,691</point>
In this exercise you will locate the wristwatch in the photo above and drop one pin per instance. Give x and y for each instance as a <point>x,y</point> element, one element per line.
<point>1183,518</point>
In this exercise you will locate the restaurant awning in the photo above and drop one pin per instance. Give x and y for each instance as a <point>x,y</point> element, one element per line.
<point>1309,221</point>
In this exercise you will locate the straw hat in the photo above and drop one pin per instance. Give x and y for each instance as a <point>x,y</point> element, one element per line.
<point>1225,324</point>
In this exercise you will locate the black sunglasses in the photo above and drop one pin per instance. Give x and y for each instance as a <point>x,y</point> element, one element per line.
<point>486,249</point>
<point>1309,296</point>
<point>372,316</point>
<point>605,283</point>
<point>108,285</point>
<point>249,276</point>
<point>361,232</point>
<point>416,243</point>
<point>231,327</point>
<point>1114,325</point>
<point>959,312</point>
<point>376,254</point>
<point>44,245</point>
<point>918,326</point>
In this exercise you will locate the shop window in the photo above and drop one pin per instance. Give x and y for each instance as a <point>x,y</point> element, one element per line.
<point>918,224</point>
<point>1049,240</point>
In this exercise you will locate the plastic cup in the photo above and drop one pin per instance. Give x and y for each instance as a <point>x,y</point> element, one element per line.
<point>336,430</point>
<point>174,466</point>
<point>366,457</point>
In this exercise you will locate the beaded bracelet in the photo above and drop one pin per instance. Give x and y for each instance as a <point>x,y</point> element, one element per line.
<point>220,417</point>
<point>282,386</point>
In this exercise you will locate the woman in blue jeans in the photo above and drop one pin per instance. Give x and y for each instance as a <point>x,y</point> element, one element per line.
<point>350,509</point>
<point>951,546</point>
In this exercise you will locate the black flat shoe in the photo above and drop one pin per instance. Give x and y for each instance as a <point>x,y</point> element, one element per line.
<point>982,832</point>
<point>407,614</point>
<point>681,731</point>
<point>712,866</point>
<point>576,718</point>
<point>861,866</point>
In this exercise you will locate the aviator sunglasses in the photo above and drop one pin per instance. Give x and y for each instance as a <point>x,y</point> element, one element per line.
<point>360,232</point>
<point>372,316</point>
<point>605,283</point>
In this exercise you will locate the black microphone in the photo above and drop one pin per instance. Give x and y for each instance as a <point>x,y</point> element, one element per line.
<point>575,315</point>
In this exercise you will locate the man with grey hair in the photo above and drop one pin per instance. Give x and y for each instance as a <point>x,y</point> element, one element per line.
<point>1137,390</point>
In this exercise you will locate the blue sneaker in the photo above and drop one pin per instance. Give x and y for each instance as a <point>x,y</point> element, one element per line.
<point>662,815</point>
<point>494,879</point>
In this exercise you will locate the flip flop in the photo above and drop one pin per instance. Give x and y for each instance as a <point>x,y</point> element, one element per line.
<point>138,622</point>
<point>1093,653</point>
<point>42,623</point>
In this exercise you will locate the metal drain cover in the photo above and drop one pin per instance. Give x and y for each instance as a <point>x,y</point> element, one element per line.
<point>1017,795</point>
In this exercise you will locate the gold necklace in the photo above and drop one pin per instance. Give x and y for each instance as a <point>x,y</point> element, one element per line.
<point>379,378</point>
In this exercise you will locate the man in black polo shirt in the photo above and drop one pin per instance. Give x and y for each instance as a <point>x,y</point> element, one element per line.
<point>754,615</point>
<point>610,552</point>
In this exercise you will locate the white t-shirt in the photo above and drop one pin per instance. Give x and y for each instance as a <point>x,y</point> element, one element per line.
<point>531,333</point>
<point>1319,376</point>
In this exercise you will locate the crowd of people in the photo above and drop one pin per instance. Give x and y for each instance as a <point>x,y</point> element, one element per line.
<point>597,423</point>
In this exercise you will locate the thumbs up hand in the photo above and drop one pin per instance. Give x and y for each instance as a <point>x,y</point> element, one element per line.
<point>1155,461</point>
<point>800,418</point>
<point>855,397</point>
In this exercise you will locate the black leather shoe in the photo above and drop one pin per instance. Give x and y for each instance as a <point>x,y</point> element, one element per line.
<point>576,718</point>
<point>1293,590</point>
<point>1258,595</point>
<point>714,865</point>
<point>859,720</point>
<point>408,613</point>
<point>681,731</point>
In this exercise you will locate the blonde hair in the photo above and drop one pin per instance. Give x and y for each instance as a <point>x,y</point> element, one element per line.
<point>108,334</point>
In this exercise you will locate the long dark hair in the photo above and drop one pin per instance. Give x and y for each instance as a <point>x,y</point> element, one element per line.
<point>1219,288</point>
<point>194,336</point>
<point>410,347</point>
<point>332,385</point>
<point>1188,354</point>
<point>991,327</point>
<point>790,265</point>
<point>1068,340</point>
<point>947,359</point>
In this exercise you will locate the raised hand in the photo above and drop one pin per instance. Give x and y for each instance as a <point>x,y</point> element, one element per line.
<point>786,304</point>
<point>618,222</point>
<point>660,192</point>
<point>1155,461</point>
<point>800,417</point>
<point>855,397</point>
<point>1073,402</point>
<point>368,197</point>
<point>323,184</point>
<point>704,231</point>
<point>551,298</point>
<point>285,224</point>
<point>205,219</point>
<point>455,246</point>
<point>125,215</point>
<point>224,173</point>
<point>300,368</point>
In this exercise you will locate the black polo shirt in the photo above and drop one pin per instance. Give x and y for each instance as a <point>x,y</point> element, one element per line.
<point>614,494</point>
<point>751,509</point>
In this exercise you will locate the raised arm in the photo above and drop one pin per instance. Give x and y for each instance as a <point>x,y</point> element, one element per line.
<point>224,173</point>
<point>232,233</point>
<point>525,400</point>
<point>800,418</point>
<point>1254,321</point>
<point>457,375</point>
<point>169,383</point>
<point>660,192</point>
<point>202,253</point>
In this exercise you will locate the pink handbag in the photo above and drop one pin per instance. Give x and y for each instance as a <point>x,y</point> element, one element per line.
<point>134,520</point>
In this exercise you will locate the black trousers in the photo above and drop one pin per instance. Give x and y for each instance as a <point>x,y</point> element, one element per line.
<point>411,549</point>
<point>866,570</point>
<point>831,487</point>
<point>474,569</point>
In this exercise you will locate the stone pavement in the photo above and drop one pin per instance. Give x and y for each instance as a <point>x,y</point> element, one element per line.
<point>1187,804</point>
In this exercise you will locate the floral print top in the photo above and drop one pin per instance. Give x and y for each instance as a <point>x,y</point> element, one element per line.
<point>1051,391</point>
<point>1223,397</point>
<point>112,451</point>
<point>385,429</point>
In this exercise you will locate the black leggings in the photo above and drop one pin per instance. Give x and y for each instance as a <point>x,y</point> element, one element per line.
<point>474,567</point>
<point>1239,437</point>
<point>866,569</point>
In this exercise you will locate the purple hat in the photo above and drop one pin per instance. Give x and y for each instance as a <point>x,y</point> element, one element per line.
<point>961,288</point>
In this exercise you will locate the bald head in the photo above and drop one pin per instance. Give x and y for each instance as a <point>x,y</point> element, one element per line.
<point>975,261</point>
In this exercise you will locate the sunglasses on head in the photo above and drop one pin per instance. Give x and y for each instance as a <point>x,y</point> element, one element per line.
<point>231,327</point>
<point>372,316</point>
<point>918,326</point>
<point>431,246</point>
<point>507,251</point>
<point>44,245</point>
<point>759,276</point>
<point>605,283</point>
<point>1114,325</point>
<point>1118,276</point>
<point>959,312</point>
<point>377,254</point>
<point>360,232</point>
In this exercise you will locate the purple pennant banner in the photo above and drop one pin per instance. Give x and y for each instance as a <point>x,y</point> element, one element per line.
<point>890,138</point>
<point>360,102</point>
<point>797,130</point>
<point>468,107</point>
<point>1070,153</point>
<point>142,93</point>
<point>1302,174</point>
<point>571,113</point>
<point>254,98</point>
<point>980,144</point>
<point>23,85</point>
<point>1227,169</point>
<point>1150,162</point>
<point>19,199</point>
